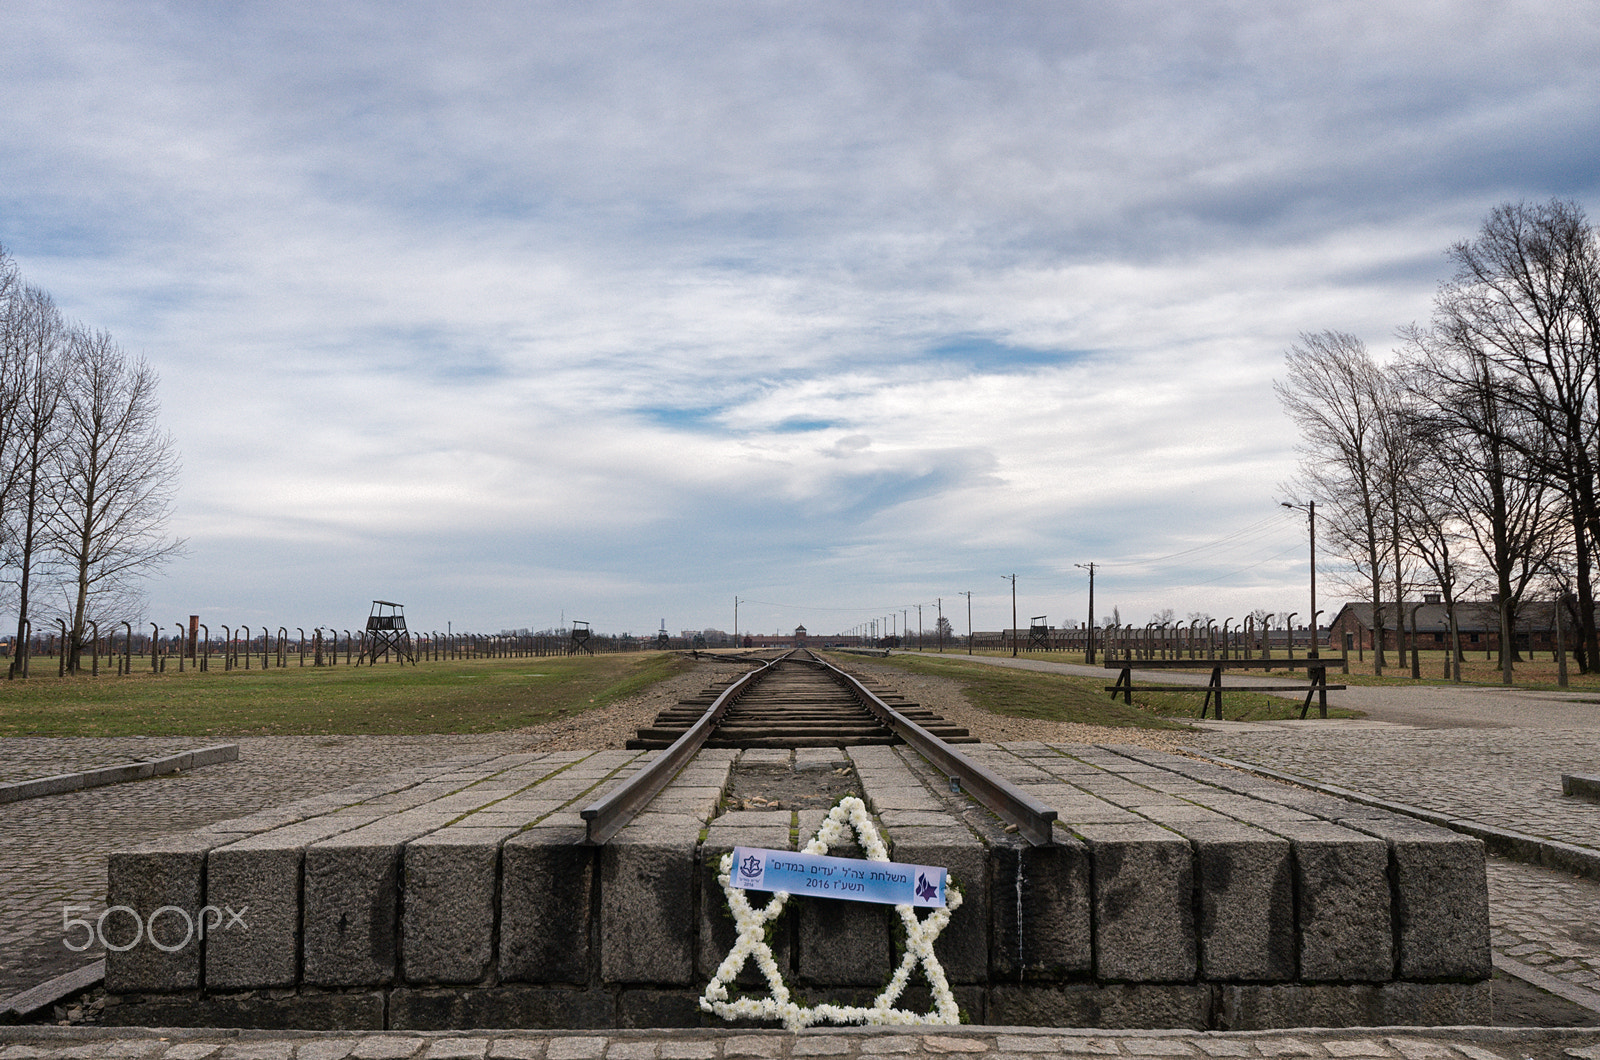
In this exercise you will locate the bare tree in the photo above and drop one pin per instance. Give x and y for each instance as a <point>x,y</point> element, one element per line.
<point>1474,478</point>
<point>12,372</point>
<point>33,336</point>
<point>118,470</point>
<point>1336,395</point>
<point>1526,296</point>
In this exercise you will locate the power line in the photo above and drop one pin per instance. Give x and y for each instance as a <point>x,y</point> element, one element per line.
<point>1254,530</point>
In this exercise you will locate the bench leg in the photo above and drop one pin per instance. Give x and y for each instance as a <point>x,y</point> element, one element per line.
<point>1319,688</point>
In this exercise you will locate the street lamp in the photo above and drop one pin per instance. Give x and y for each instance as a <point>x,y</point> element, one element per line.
<point>1089,659</point>
<point>1013,579</point>
<point>1310,508</point>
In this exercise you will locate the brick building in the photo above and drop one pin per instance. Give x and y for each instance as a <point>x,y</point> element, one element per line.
<point>1478,622</point>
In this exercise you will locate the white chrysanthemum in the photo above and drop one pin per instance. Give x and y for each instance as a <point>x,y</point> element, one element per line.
<point>850,815</point>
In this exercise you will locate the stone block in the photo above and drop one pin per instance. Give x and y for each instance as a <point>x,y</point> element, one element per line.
<point>1262,1007</point>
<point>532,1007</point>
<point>447,923</point>
<point>1143,903</point>
<point>840,943</point>
<point>1246,928</point>
<point>268,1010</point>
<point>659,1008</point>
<point>547,886</point>
<point>1041,910</point>
<point>963,946</point>
<point>700,802</point>
<point>815,758</point>
<point>753,828</point>
<point>165,876</point>
<point>1343,906</point>
<point>261,882</point>
<point>647,900</point>
<point>910,795</point>
<point>1441,897</point>
<point>1436,1004</point>
<point>1252,810</point>
<point>258,877</point>
<point>1125,1006</point>
<point>351,906</point>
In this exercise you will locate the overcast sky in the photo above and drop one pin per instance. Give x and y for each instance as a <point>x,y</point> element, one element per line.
<point>620,311</point>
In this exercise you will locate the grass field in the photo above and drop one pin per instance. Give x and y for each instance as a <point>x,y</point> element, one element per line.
<point>463,696</point>
<point>490,695</point>
<point>1059,697</point>
<point>1532,671</point>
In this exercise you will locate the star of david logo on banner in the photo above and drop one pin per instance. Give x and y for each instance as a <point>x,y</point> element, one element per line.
<point>849,816</point>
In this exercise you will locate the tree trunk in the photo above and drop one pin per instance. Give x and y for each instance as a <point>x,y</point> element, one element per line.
<point>1507,644</point>
<point>1587,649</point>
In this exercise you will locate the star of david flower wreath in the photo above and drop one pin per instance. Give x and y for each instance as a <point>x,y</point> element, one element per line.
<point>849,815</point>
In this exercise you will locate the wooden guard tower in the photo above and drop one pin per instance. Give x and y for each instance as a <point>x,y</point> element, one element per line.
<point>1038,633</point>
<point>386,632</point>
<point>578,643</point>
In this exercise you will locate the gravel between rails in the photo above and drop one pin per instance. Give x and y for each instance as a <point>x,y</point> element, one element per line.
<point>610,727</point>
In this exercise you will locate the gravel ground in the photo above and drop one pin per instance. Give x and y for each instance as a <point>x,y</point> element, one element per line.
<point>944,695</point>
<point>610,727</point>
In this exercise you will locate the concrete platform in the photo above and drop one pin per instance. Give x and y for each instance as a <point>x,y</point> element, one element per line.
<point>1177,894</point>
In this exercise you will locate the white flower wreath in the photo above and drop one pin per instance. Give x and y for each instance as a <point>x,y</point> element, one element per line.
<point>849,814</point>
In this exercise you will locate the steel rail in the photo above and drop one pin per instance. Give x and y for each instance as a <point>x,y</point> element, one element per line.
<point>1033,819</point>
<point>607,816</point>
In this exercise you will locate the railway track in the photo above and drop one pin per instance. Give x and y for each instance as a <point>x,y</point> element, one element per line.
<point>797,702</point>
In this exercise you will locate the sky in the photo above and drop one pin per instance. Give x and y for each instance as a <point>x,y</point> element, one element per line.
<point>520,313</point>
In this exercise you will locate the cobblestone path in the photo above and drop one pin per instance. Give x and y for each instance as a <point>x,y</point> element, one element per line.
<point>1547,919</point>
<point>1510,778</point>
<point>977,1043</point>
<point>31,757</point>
<point>53,849</point>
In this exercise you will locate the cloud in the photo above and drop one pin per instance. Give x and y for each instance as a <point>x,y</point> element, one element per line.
<point>538,308</point>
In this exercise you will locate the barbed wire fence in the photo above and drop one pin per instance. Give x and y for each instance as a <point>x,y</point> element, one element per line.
<point>126,649</point>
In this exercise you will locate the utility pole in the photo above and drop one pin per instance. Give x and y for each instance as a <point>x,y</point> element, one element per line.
<point>735,621</point>
<point>940,627</point>
<point>1089,658</point>
<point>968,595</point>
<point>1013,579</point>
<point>1310,508</point>
<point>919,627</point>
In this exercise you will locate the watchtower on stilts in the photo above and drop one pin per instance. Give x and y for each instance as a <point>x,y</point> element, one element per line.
<point>386,632</point>
<point>1038,633</point>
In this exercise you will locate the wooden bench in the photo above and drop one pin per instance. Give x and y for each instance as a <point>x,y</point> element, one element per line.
<point>1316,671</point>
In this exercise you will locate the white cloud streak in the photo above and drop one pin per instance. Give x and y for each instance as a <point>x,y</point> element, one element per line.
<point>511,310</point>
